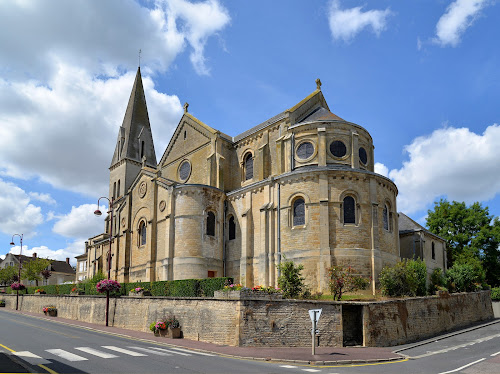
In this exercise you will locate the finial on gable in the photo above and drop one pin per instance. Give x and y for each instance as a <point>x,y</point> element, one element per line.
<point>318,84</point>
<point>186,106</point>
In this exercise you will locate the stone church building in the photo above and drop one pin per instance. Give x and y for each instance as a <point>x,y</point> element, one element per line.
<point>300,186</point>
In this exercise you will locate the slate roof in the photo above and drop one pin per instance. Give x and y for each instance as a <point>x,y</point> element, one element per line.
<point>407,225</point>
<point>56,266</point>
<point>321,114</point>
<point>261,126</point>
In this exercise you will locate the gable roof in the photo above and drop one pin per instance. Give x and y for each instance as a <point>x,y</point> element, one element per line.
<point>407,225</point>
<point>56,265</point>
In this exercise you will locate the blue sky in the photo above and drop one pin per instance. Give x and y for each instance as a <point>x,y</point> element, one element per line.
<point>421,76</point>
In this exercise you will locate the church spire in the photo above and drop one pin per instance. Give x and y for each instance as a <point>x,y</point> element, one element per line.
<point>135,140</point>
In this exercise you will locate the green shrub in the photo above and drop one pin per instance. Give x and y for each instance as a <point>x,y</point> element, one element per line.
<point>290,281</point>
<point>495,294</point>
<point>209,285</point>
<point>406,278</point>
<point>466,277</point>
<point>438,280</point>
<point>343,279</point>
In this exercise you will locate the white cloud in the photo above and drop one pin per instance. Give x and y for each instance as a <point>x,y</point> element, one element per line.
<point>70,72</point>
<point>451,162</point>
<point>80,223</point>
<point>459,15</point>
<point>17,214</point>
<point>345,24</point>
<point>73,249</point>
<point>381,169</point>
<point>43,197</point>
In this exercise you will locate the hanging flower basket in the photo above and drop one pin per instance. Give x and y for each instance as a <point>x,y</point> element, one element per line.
<point>16,286</point>
<point>108,285</point>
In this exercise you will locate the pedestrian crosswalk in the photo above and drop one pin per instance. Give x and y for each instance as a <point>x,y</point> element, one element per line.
<point>105,352</point>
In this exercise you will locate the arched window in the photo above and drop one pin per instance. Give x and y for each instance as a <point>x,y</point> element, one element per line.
<point>299,212</point>
<point>211,224</point>
<point>118,189</point>
<point>232,228</point>
<point>114,190</point>
<point>433,251</point>
<point>248,166</point>
<point>349,210</point>
<point>142,233</point>
<point>386,218</point>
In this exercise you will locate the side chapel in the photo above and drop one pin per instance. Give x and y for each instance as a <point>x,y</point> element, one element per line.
<point>300,186</point>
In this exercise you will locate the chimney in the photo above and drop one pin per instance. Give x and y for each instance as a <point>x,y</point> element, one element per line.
<point>67,260</point>
<point>34,254</point>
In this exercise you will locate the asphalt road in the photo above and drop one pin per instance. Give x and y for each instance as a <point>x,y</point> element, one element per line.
<point>47,346</point>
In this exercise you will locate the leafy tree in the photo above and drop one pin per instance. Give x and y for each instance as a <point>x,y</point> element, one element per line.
<point>8,275</point>
<point>465,277</point>
<point>470,232</point>
<point>32,269</point>
<point>343,279</point>
<point>290,280</point>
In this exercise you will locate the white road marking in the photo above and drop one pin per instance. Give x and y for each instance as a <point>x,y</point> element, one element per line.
<point>194,352</point>
<point>288,366</point>
<point>95,352</point>
<point>125,351</point>
<point>311,370</point>
<point>25,354</point>
<point>169,351</point>
<point>463,367</point>
<point>495,354</point>
<point>481,340</point>
<point>148,350</point>
<point>66,355</point>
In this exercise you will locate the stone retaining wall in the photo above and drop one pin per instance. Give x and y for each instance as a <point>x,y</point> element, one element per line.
<point>275,323</point>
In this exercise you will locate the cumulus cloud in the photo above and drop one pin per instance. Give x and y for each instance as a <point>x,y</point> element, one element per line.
<point>43,197</point>
<point>17,213</point>
<point>345,24</point>
<point>73,249</point>
<point>452,162</point>
<point>381,169</point>
<point>459,15</point>
<point>80,222</point>
<point>61,105</point>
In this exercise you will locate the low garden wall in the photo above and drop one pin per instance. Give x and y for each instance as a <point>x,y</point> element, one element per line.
<point>277,323</point>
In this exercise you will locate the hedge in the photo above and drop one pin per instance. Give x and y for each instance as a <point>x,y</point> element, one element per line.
<point>177,288</point>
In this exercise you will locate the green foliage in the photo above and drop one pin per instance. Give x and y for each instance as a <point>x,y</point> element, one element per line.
<point>470,232</point>
<point>8,275</point>
<point>495,294</point>
<point>290,280</point>
<point>209,285</point>
<point>90,284</point>
<point>437,280</point>
<point>2,302</point>
<point>406,278</point>
<point>465,277</point>
<point>343,279</point>
<point>33,268</point>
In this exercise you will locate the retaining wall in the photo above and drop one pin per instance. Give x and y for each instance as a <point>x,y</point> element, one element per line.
<point>276,323</point>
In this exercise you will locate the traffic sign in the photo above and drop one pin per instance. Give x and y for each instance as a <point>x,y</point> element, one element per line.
<point>314,314</point>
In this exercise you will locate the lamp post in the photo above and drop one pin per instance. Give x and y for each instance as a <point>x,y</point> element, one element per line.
<point>19,273</point>
<point>99,213</point>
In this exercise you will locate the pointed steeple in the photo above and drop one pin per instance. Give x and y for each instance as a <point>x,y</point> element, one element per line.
<point>135,140</point>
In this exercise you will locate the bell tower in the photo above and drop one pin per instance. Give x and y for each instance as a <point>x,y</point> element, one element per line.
<point>134,146</point>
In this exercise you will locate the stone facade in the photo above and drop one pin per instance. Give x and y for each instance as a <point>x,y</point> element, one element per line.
<point>300,185</point>
<point>278,323</point>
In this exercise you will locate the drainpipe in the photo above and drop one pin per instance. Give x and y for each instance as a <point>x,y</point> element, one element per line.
<point>279,229</point>
<point>224,240</point>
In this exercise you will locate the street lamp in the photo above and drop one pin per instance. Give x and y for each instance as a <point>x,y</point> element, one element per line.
<point>99,213</point>
<point>19,274</point>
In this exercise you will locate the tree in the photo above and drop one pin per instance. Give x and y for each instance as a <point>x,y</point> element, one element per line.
<point>470,233</point>
<point>8,275</point>
<point>343,279</point>
<point>290,280</point>
<point>32,269</point>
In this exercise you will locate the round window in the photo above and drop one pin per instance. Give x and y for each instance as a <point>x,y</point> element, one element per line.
<point>305,150</point>
<point>338,148</point>
<point>363,157</point>
<point>184,170</point>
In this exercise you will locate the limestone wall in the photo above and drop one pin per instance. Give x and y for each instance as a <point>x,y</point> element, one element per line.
<point>276,323</point>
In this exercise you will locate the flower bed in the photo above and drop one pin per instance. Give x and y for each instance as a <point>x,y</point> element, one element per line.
<point>238,292</point>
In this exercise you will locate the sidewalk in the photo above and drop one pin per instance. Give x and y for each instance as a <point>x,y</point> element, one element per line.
<point>323,356</point>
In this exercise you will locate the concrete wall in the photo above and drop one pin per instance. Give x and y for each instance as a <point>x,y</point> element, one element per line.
<point>275,323</point>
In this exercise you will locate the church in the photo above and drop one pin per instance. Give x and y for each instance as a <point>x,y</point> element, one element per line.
<point>299,186</point>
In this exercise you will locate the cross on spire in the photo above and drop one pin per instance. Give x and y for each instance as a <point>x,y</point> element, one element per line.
<point>186,105</point>
<point>318,84</point>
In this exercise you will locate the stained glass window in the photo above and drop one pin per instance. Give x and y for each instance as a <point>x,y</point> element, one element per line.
<point>248,167</point>
<point>338,148</point>
<point>305,150</point>
<point>299,212</point>
<point>349,210</point>
<point>184,170</point>
<point>142,233</point>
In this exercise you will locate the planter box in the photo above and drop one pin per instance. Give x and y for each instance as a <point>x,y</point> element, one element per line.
<point>247,295</point>
<point>51,313</point>
<point>161,333</point>
<point>41,293</point>
<point>174,333</point>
